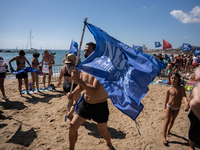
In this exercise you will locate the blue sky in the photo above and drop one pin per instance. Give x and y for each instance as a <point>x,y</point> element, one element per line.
<point>54,23</point>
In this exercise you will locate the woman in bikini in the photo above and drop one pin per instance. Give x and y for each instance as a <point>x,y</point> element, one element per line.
<point>174,96</point>
<point>35,65</point>
<point>20,60</point>
<point>3,66</point>
<point>67,83</point>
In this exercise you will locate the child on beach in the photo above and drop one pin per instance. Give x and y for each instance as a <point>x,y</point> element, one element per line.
<point>174,96</point>
<point>169,70</point>
<point>35,65</point>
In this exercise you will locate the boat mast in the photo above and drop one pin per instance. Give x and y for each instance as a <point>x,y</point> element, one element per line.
<point>30,40</point>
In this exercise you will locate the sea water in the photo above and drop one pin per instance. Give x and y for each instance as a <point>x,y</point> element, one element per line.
<point>58,58</point>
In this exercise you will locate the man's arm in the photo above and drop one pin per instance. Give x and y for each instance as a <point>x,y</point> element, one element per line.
<point>167,98</point>
<point>92,89</point>
<point>185,99</point>
<point>42,60</point>
<point>52,60</point>
<point>27,61</point>
<point>60,76</point>
<point>14,58</point>
<point>195,102</point>
<point>76,91</point>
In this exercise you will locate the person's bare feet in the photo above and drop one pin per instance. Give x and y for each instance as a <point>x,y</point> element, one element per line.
<point>165,142</point>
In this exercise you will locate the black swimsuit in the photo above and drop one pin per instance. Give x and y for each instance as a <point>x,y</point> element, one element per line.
<point>66,85</point>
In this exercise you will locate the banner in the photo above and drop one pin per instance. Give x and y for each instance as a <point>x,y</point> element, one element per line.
<point>124,72</point>
<point>186,47</point>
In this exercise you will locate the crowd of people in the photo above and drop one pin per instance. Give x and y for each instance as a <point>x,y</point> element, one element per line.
<point>21,60</point>
<point>186,63</point>
<point>92,104</point>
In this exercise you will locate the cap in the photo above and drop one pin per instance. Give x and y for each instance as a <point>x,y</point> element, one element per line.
<point>71,58</point>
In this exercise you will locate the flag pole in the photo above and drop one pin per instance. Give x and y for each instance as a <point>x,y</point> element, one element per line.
<point>78,55</point>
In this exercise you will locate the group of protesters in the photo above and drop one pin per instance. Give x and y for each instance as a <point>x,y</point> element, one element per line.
<point>186,63</point>
<point>93,103</point>
<point>47,62</point>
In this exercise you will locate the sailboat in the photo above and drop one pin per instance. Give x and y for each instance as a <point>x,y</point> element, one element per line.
<point>31,50</point>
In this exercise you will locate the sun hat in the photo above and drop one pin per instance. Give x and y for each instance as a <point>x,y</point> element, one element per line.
<point>71,58</point>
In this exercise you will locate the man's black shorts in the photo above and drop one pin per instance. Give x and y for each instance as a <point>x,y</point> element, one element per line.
<point>98,112</point>
<point>22,75</point>
<point>67,86</point>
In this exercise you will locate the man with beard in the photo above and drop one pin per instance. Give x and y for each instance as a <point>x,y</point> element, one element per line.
<point>93,105</point>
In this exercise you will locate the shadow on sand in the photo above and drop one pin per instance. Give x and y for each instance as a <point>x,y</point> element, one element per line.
<point>24,138</point>
<point>94,131</point>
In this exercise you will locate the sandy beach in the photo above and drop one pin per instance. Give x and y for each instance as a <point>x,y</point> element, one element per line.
<point>36,122</point>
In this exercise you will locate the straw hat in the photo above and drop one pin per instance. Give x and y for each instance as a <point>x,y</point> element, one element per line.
<point>71,58</point>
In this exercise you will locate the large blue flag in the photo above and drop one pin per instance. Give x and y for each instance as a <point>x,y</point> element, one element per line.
<point>186,47</point>
<point>157,44</point>
<point>124,72</point>
<point>24,70</point>
<point>139,48</point>
<point>197,51</point>
<point>73,48</point>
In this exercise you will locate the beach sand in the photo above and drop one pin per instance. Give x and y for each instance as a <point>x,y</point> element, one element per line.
<point>37,122</point>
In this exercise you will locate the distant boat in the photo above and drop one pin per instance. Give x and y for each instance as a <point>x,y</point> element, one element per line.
<point>52,53</point>
<point>31,50</point>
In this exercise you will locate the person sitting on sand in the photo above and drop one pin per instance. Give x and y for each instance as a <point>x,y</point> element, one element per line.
<point>47,62</point>
<point>66,72</point>
<point>174,96</point>
<point>2,77</point>
<point>35,65</point>
<point>93,103</point>
<point>20,60</point>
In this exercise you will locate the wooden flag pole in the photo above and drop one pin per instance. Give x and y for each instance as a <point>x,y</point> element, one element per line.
<point>78,55</point>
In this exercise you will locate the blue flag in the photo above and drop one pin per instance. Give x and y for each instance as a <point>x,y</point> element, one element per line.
<point>186,47</point>
<point>139,48</point>
<point>24,70</point>
<point>124,72</point>
<point>157,44</point>
<point>73,48</point>
<point>197,51</point>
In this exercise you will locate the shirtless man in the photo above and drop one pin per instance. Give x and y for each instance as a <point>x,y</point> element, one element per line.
<point>195,102</point>
<point>47,58</point>
<point>93,106</point>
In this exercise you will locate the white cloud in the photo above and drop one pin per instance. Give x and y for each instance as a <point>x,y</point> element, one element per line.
<point>185,37</point>
<point>190,17</point>
<point>154,5</point>
<point>144,7</point>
